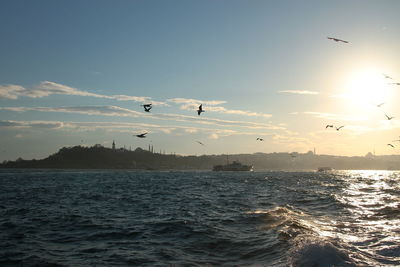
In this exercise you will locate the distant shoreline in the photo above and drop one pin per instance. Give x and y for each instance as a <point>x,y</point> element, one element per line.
<point>98,157</point>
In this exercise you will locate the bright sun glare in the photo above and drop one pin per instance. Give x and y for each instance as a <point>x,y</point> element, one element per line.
<point>366,88</point>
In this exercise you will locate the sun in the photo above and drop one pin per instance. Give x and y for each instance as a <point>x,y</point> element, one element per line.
<point>367,88</point>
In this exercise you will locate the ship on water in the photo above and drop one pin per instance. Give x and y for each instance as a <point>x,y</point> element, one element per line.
<point>234,166</point>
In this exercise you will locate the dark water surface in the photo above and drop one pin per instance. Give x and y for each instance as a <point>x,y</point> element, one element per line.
<point>131,218</point>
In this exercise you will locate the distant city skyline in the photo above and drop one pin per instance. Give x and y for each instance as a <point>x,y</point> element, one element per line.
<point>77,73</point>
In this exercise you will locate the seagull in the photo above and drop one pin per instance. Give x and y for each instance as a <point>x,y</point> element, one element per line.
<point>395,83</point>
<point>387,77</point>
<point>200,143</point>
<point>143,135</point>
<point>200,110</point>
<point>147,107</point>
<point>380,105</point>
<point>338,128</point>
<point>260,139</point>
<point>389,118</point>
<point>390,145</point>
<point>329,125</point>
<point>337,40</point>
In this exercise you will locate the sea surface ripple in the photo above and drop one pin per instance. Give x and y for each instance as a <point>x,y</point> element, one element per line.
<point>143,218</point>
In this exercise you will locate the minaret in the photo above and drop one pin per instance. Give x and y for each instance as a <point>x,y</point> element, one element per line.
<point>113,145</point>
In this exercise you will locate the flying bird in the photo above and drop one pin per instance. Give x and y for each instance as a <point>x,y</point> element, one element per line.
<point>380,105</point>
<point>260,139</point>
<point>395,83</point>
<point>338,128</point>
<point>387,77</point>
<point>329,125</point>
<point>147,107</point>
<point>389,118</point>
<point>200,143</point>
<point>337,40</point>
<point>142,135</point>
<point>200,110</point>
<point>390,145</point>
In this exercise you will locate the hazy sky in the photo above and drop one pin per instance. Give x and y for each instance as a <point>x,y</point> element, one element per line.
<point>76,72</point>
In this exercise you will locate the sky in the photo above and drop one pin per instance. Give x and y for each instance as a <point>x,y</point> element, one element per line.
<point>77,72</point>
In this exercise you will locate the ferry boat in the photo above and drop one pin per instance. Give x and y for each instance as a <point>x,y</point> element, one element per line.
<point>234,166</point>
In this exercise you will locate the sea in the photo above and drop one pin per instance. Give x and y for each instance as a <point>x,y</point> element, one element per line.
<point>199,218</point>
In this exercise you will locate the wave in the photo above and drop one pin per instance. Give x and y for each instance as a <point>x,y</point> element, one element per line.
<point>312,251</point>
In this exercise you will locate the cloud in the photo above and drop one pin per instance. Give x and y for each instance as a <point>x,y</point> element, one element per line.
<point>299,92</point>
<point>195,102</point>
<point>128,128</point>
<point>87,110</point>
<point>123,112</point>
<point>11,91</point>
<point>336,117</point>
<point>47,88</point>
<point>213,136</point>
<point>213,108</point>
<point>238,112</point>
<point>35,124</point>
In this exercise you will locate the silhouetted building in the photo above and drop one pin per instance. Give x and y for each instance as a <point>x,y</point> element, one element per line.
<point>113,145</point>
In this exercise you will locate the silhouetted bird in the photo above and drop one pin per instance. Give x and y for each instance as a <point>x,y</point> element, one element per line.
<point>329,125</point>
<point>337,40</point>
<point>389,118</point>
<point>143,135</point>
<point>338,128</point>
<point>260,139</point>
<point>395,83</point>
<point>390,145</point>
<point>387,77</point>
<point>200,143</point>
<point>380,105</point>
<point>200,110</point>
<point>147,107</point>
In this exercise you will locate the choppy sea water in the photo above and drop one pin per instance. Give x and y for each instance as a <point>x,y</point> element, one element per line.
<point>138,218</point>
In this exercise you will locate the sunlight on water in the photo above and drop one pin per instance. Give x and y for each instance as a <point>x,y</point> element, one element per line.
<point>372,201</point>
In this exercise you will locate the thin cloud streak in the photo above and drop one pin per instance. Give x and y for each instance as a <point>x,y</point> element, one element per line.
<point>219,109</point>
<point>123,127</point>
<point>299,92</point>
<point>87,110</point>
<point>47,88</point>
<point>196,101</point>
<point>123,112</point>
<point>335,117</point>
